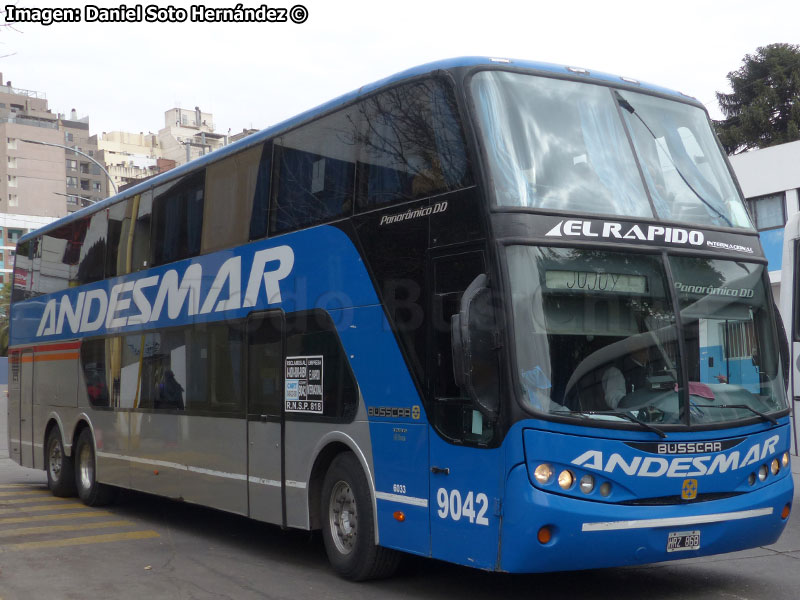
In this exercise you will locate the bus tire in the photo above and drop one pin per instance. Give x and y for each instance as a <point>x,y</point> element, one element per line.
<point>60,471</point>
<point>348,526</point>
<point>90,491</point>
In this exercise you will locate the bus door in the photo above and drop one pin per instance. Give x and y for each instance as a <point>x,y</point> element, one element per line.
<point>26,409</point>
<point>466,477</point>
<point>265,416</point>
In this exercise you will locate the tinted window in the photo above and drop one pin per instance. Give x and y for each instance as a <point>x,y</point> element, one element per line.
<point>23,272</point>
<point>93,361</point>
<point>258,220</point>
<point>317,367</point>
<point>140,254</point>
<point>119,238</point>
<point>230,187</point>
<point>93,249</point>
<point>315,167</point>
<point>265,364</point>
<point>410,145</point>
<point>57,255</point>
<point>177,219</point>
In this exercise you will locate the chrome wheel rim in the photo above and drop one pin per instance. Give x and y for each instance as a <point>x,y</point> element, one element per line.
<point>86,469</point>
<point>343,517</point>
<point>55,459</point>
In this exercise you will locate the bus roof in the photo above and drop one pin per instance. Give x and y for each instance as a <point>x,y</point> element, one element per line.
<point>269,132</point>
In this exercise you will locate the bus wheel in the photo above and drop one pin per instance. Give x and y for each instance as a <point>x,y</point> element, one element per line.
<point>60,472</point>
<point>348,528</point>
<point>89,490</point>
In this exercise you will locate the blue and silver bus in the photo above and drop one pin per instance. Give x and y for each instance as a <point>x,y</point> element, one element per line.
<point>505,314</point>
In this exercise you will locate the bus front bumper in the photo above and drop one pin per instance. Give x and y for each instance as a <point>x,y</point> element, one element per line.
<point>588,535</point>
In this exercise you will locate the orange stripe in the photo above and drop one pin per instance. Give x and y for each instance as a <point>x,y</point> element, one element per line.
<point>53,347</point>
<point>49,357</point>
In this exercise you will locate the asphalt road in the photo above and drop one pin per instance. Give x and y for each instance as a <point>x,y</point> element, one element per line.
<point>148,548</point>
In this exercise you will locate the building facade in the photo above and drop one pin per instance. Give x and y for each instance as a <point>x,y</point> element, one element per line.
<point>770,180</point>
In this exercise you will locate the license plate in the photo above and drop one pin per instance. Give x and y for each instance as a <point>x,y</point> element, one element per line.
<point>683,540</point>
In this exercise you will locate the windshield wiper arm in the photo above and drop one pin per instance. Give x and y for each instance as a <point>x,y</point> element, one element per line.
<point>764,416</point>
<point>629,107</point>
<point>587,414</point>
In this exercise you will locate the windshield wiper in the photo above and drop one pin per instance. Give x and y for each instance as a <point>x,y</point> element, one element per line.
<point>764,416</point>
<point>587,414</point>
<point>629,107</point>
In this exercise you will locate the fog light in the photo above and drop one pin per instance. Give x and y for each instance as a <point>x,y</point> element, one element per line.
<point>762,472</point>
<point>786,510</point>
<point>543,473</point>
<point>587,484</point>
<point>565,480</point>
<point>785,460</point>
<point>775,466</point>
<point>605,489</point>
<point>751,479</point>
<point>544,535</point>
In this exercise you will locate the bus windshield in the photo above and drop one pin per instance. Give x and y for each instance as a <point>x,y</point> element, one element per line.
<point>597,333</point>
<point>561,145</point>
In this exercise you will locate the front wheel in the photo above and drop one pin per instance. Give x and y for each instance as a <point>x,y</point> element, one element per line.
<point>89,490</point>
<point>60,472</point>
<point>348,527</point>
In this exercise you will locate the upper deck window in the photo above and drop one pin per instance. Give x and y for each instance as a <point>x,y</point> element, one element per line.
<point>681,161</point>
<point>557,145</point>
<point>561,145</point>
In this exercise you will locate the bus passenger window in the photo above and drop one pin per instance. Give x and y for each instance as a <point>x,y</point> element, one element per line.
<point>93,361</point>
<point>177,214</point>
<point>59,250</point>
<point>23,272</point>
<point>411,145</point>
<point>265,364</point>
<point>258,219</point>
<point>315,168</point>
<point>229,190</point>
<point>140,254</point>
<point>93,249</point>
<point>325,385</point>
<point>119,238</point>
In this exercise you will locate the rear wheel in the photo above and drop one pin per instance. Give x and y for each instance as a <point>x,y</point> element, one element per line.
<point>89,490</point>
<point>60,471</point>
<point>348,526</point>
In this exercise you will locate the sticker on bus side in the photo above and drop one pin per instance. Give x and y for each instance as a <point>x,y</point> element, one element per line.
<point>303,384</point>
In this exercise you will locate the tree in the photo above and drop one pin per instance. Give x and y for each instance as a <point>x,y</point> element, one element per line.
<point>764,108</point>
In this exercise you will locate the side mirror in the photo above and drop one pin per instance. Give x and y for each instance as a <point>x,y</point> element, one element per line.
<point>474,346</point>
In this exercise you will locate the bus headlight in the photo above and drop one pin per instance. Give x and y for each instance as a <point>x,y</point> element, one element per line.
<point>762,472</point>
<point>785,460</point>
<point>566,479</point>
<point>543,473</point>
<point>587,484</point>
<point>775,466</point>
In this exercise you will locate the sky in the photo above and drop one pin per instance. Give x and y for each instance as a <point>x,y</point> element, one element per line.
<point>124,76</point>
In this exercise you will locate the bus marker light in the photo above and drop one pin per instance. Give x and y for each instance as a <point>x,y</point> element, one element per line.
<point>543,473</point>
<point>785,460</point>
<point>775,466</point>
<point>751,478</point>
<point>762,472</point>
<point>155,472</point>
<point>566,479</point>
<point>786,510</point>
<point>587,484</point>
<point>399,516</point>
<point>544,535</point>
<point>605,489</point>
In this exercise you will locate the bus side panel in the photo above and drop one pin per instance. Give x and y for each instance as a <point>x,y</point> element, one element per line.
<point>111,435</point>
<point>55,385</point>
<point>13,405</point>
<point>215,451</point>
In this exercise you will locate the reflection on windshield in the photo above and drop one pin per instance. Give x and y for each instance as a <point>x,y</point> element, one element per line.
<point>732,356</point>
<point>558,145</point>
<point>684,170</point>
<point>596,333</point>
<point>561,145</point>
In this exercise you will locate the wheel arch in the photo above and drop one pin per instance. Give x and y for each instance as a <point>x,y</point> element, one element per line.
<point>53,421</point>
<point>328,448</point>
